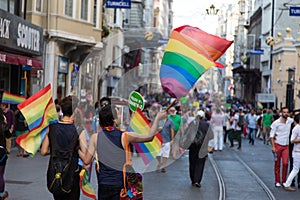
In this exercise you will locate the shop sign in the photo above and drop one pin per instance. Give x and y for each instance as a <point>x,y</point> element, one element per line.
<point>63,64</point>
<point>294,11</point>
<point>19,34</point>
<point>118,4</point>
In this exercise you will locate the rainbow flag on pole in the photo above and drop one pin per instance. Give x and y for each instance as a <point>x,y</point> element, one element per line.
<point>9,98</point>
<point>188,54</point>
<point>39,112</point>
<point>141,125</point>
<point>86,187</point>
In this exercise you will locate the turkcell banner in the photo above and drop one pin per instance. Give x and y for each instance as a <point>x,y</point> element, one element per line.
<point>118,4</point>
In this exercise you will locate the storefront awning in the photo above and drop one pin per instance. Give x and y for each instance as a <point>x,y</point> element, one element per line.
<point>19,60</point>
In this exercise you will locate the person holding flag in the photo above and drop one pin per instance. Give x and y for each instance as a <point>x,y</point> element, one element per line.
<point>109,146</point>
<point>63,134</point>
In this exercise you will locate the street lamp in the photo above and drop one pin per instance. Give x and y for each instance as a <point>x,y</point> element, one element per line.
<point>212,10</point>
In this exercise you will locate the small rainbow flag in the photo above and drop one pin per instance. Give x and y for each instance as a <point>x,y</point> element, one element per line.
<point>9,98</point>
<point>188,54</point>
<point>141,125</point>
<point>86,187</point>
<point>39,112</point>
<point>259,105</point>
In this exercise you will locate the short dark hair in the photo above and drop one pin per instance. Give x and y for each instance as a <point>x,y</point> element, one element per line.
<point>97,104</point>
<point>67,106</point>
<point>106,116</point>
<point>105,99</point>
<point>297,118</point>
<point>283,108</point>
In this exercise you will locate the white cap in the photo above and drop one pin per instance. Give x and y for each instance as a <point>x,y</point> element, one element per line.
<point>201,113</point>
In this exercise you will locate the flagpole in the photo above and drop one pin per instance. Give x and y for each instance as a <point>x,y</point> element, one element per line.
<point>171,104</point>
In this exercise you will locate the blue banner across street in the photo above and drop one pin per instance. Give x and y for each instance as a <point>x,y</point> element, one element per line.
<point>118,4</point>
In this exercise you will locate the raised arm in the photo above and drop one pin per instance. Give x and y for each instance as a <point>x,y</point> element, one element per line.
<point>135,137</point>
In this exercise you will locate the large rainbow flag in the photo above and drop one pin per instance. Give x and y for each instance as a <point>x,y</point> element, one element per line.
<point>86,187</point>
<point>188,54</point>
<point>39,112</point>
<point>141,125</point>
<point>9,98</point>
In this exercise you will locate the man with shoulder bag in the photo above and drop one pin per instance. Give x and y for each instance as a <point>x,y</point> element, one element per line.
<point>199,148</point>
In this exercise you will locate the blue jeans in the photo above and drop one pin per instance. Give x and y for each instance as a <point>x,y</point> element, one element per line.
<point>252,133</point>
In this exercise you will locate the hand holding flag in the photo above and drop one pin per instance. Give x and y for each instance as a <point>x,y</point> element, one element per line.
<point>141,125</point>
<point>39,112</point>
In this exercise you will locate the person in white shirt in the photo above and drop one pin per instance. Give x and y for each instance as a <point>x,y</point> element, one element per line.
<point>295,139</point>
<point>236,132</point>
<point>279,136</point>
<point>252,126</point>
<point>217,120</point>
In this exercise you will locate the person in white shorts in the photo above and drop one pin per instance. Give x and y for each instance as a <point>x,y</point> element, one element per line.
<point>167,134</point>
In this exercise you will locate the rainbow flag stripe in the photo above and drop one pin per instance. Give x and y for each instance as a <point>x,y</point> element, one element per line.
<point>188,54</point>
<point>259,105</point>
<point>86,187</point>
<point>39,112</point>
<point>214,46</point>
<point>9,98</point>
<point>141,125</point>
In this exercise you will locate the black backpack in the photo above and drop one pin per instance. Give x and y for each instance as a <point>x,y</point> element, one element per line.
<point>241,121</point>
<point>63,165</point>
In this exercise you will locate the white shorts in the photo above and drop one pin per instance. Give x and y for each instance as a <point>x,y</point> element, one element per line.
<point>165,150</point>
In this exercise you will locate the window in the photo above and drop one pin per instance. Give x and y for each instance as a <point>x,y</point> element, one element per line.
<point>7,5</point>
<point>69,8</point>
<point>3,4</point>
<point>84,9</point>
<point>38,5</point>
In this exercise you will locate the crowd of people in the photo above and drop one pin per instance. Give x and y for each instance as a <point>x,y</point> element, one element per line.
<point>280,128</point>
<point>215,127</point>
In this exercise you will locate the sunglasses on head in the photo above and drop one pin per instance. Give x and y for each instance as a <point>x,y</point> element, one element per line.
<point>104,104</point>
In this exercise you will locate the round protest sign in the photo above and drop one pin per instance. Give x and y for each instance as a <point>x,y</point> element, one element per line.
<point>136,101</point>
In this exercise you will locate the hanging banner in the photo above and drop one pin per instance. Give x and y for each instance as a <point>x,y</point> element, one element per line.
<point>126,4</point>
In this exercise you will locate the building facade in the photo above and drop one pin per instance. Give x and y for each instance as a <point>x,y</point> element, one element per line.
<point>22,45</point>
<point>72,30</point>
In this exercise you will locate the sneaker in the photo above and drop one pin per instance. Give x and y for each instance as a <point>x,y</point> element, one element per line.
<point>289,189</point>
<point>278,185</point>
<point>239,147</point>
<point>163,170</point>
<point>198,185</point>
